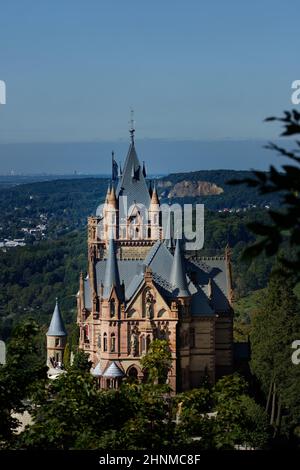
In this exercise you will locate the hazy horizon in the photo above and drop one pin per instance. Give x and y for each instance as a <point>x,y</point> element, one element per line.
<point>161,156</point>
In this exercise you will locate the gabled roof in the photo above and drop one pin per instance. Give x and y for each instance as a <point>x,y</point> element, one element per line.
<point>57,327</point>
<point>132,182</point>
<point>113,371</point>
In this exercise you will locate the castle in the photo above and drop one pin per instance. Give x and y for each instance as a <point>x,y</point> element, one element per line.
<point>142,285</point>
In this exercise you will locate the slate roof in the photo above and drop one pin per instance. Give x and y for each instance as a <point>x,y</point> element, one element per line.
<point>113,371</point>
<point>57,327</point>
<point>194,282</point>
<point>132,182</point>
<point>97,371</point>
<point>111,278</point>
<point>178,275</point>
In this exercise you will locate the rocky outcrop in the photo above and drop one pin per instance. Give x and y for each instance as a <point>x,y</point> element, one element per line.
<point>188,188</point>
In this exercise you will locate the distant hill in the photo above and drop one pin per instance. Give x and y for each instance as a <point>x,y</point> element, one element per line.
<point>211,188</point>
<point>66,203</point>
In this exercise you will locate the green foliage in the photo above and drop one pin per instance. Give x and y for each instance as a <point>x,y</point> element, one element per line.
<point>31,278</point>
<point>229,387</point>
<point>81,362</point>
<point>224,417</point>
<point>21,377</point>
<point>284,224</point>
<point>240,422</point>
<point>67,354</point>
<point>157,361</point>
<point>275,327</point>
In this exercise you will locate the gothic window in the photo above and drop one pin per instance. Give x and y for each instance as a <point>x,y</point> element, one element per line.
<point>133,373</point>
<point>148,341</point>
<point>57,342</point>
<point>112,307</point>
<point>112,342</point>
<point>105,342</point>
<point>99,341</point>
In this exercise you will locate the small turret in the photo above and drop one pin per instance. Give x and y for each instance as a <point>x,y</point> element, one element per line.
<point>111,278</point>
<point>112,200</point>
<point>154,213</point>
<point>178,276</point>
<point>56,339</point>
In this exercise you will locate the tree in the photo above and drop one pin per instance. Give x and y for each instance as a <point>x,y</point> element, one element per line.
<point>21,377</point>
<point>283,224</point>
<point>275,327</point>
<point>157,362</point>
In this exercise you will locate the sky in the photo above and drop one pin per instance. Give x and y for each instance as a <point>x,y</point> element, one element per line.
<point>193,71</point>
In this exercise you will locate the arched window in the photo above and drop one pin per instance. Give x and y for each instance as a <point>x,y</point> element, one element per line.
<point>105,342</point>
<point>99,341</point>
<point>112,307</point>
<point>112,342</point>
<point>133,373</point>
<point>57,342</point>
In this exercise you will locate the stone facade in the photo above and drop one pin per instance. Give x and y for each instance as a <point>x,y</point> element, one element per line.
<point>138,289</point>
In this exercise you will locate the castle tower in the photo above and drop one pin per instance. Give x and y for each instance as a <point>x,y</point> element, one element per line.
<point>140,288</point>
<point>56,339</point>
<point>154,216</point>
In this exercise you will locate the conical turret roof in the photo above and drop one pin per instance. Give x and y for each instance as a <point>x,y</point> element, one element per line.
<point>113,371</point>
<point>154,197</point>
<point>132,182</point>
<point>57,327</point>
<point>112,278</point>
<point>178,275</point>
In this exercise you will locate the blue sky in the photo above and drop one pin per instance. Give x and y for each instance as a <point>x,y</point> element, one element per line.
<point>192,70</point>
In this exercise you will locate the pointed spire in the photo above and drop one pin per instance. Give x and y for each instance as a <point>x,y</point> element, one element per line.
<point>154,198</point>
<point>111,278</point>
<point>57,327</point>
<point>112,200</point>
<point>178,276</point>
<point>132,184</point>
<point>132,129</point>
